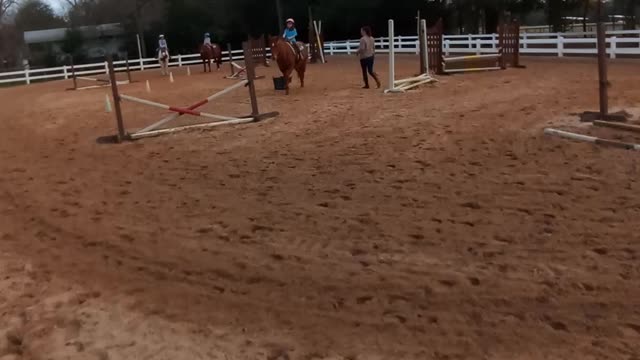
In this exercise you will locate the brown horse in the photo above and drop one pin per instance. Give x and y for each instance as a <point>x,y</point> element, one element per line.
<point>288,59</point>
<point>210,52</point>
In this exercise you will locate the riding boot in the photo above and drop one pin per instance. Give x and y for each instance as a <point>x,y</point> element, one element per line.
<point>366,82</point>
<point>298,51</point>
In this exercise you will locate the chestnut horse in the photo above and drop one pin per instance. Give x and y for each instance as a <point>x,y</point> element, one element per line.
<point>210,52</point>
<point>288,60</point>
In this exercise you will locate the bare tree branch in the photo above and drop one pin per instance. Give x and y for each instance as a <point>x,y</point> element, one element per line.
<point>5,6</point>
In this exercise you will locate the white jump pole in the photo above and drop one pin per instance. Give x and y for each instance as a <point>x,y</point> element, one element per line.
<point>472,69</point>
<point>591,139</point>
<point>141,135</point>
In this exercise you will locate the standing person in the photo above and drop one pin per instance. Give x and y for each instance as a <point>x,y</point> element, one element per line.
<point>207,39</point>
<point>367,51</point>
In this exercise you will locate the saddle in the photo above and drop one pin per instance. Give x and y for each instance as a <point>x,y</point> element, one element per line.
<point>297,50</point>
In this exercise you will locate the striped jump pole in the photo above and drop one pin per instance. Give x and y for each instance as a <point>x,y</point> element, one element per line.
<point>592,139</point>
<point>93,79</point>
<point>498,58</point>
<point>178,110</point>
<point>194,106</point>
<point>471,57</point>
<point>218,120</point>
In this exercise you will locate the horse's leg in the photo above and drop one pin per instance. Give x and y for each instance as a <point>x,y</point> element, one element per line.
<point>287,76</point>
<point>300,71</point>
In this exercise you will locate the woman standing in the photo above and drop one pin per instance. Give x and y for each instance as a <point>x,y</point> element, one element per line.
<point>367,52</point>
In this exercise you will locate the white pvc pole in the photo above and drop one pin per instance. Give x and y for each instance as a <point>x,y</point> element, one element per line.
<point>473,69</point>
<point>140,52</point>
<point>392,63</point>
<point>141,135</point>
<point>411,79</point>
<point>408,86</point>
<point>591,139</point>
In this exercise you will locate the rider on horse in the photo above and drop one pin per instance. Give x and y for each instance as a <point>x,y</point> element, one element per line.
<point>207,39</point>
<point>290,34</point>
<point>162,45</point>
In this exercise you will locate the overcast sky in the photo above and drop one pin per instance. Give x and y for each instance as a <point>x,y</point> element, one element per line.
<point>55,4</point>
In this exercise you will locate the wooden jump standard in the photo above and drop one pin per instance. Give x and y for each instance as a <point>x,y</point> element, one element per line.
<point>217,120</point>
<point>507,55</point>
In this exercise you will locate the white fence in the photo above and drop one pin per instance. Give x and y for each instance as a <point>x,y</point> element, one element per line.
<point>549,44</point>
<point>64,72</point>
<point>620,43</point>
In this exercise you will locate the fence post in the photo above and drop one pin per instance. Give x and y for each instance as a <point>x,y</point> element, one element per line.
<point>106,67</point>
<point>446,47</point>
<point>493,41</point>
<point>26,73</point>
<point>348,48</point>
<point>179,60</point>
<point>66,75</point>
<point>417,45</point>
<point>331,49</point>
<point>524,40</point>
<point>613,47</point>
<point>478,47</point>
<point>560,46</point>
<point>470,39</point>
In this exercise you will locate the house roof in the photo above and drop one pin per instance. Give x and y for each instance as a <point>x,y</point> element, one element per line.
<point>89,32</point>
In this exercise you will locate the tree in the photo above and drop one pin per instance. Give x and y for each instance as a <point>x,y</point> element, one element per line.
<point>36,15</point>
<point>73,41</point>
<point>5,7</point>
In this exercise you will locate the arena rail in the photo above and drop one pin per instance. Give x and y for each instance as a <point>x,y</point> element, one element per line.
<point>620,43</point>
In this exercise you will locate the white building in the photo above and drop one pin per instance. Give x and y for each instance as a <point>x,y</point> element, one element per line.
<point>97,42</point>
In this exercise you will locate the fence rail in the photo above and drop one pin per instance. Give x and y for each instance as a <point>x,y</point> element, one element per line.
<point>619,43</point>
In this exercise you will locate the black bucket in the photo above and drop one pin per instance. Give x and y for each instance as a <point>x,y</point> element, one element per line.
<point>279,83</point>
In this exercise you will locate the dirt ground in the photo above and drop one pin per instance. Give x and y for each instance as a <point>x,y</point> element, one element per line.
<point>437,224</point>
